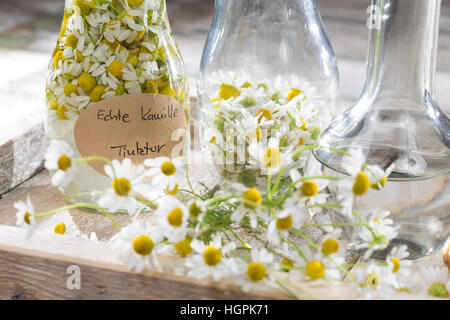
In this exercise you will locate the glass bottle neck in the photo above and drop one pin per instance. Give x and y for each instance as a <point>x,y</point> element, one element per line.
<point>274,10</point>
<point>402,50</point>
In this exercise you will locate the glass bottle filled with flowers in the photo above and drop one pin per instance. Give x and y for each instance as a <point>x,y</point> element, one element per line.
<point>267,88</point>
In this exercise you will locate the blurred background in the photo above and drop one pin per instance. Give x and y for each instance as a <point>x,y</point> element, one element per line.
<point>28,33</point>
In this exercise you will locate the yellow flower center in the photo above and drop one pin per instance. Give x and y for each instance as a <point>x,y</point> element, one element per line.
<point>228,91</point>
<point>71,41</point>
<point>212,256</point>
<point>87,82</point>
<point>300,142</point>
<point>362,184</point>
<point>380,184</point>
<point>330,246</point>
<point>284,223</point>
<point>438,290</point>
<point>60,228</point>
<point>373,281</point>
<point>70,88</point>
<point>272,157</point>
<point>184,247</point>
<point>293,93</point>
<point>115,68</point>
<point>264,113</point>
<point>143,245</point>
<point>122,186</point>
<point>256,271</point>
<point>61,112</point>
<point>315,270</point>
<point>254,196</point>
<point>26,218</point>
<point>175,217</point>
<point>168,168</point>
<point>309,188</point>
<point>258,133</point>
<point>135,3</point>
<point>64,162</point>
<point>173,191</point>
<point>396,264</point>
<point>287,262</point>
<point>97,93</point>
<point>194,209</point>
<point>58,57</point>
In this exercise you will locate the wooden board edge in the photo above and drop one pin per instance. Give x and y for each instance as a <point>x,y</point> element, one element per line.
<point>37,269</point>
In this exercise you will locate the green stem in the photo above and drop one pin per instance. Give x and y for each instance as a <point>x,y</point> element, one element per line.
<point>81,205</point>
<point>277,182</point>
<point>97,158</point>
<point>246,245</point>
<point>145,201</point>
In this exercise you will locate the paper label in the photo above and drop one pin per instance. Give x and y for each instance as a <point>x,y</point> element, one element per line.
<point>135,126</point>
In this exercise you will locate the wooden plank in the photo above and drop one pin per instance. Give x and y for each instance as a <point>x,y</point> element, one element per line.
<point>37,269</point>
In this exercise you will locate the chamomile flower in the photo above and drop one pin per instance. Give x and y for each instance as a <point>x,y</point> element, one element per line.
<point>250,206</point>
<point>25,217</point>
<point>124,178</point>
<point>310,190</point>
<point>210,260</point>
<point>292,217</point>
<point>437,282</point>
<point>62,224</point>
<point>378,234</point>
<point>377,176</point>
<point>59,157</point>
<point>137,243</point>
<point>316,266</point>
<point>397,263</point>
<point>257,270</point>
<point>172,218</point>
<point>166,172</point>
<point>331,245</point>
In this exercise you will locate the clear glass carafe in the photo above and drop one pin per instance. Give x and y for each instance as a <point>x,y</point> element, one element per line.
<point>396,121</point>
<point>268,82</point>
<point>113,61</point>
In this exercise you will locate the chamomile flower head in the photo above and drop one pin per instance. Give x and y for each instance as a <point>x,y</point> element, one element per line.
<point>374,280</point>
<point>172,218</point>
<point>137,243</point>
<point>310,190</point>
<point>25,217</point>
<point>250,205</point>
<point>437,282</point>
<point>166,172</point>
<point>292,217</point>
<point>59,158</point>
<point>331,245</point>
<point>210,260</point>
<point>378,177</point>
<point>124,178</point>
<point>254,273</point>
<point>269,158</point>
<point>397,263</point>
<point>379,232</point>
<point>318,266</point>
<point>62,224</point>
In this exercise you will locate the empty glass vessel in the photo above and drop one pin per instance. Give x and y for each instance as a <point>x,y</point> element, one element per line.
<point>397,121</point>
<point>267,70</point>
